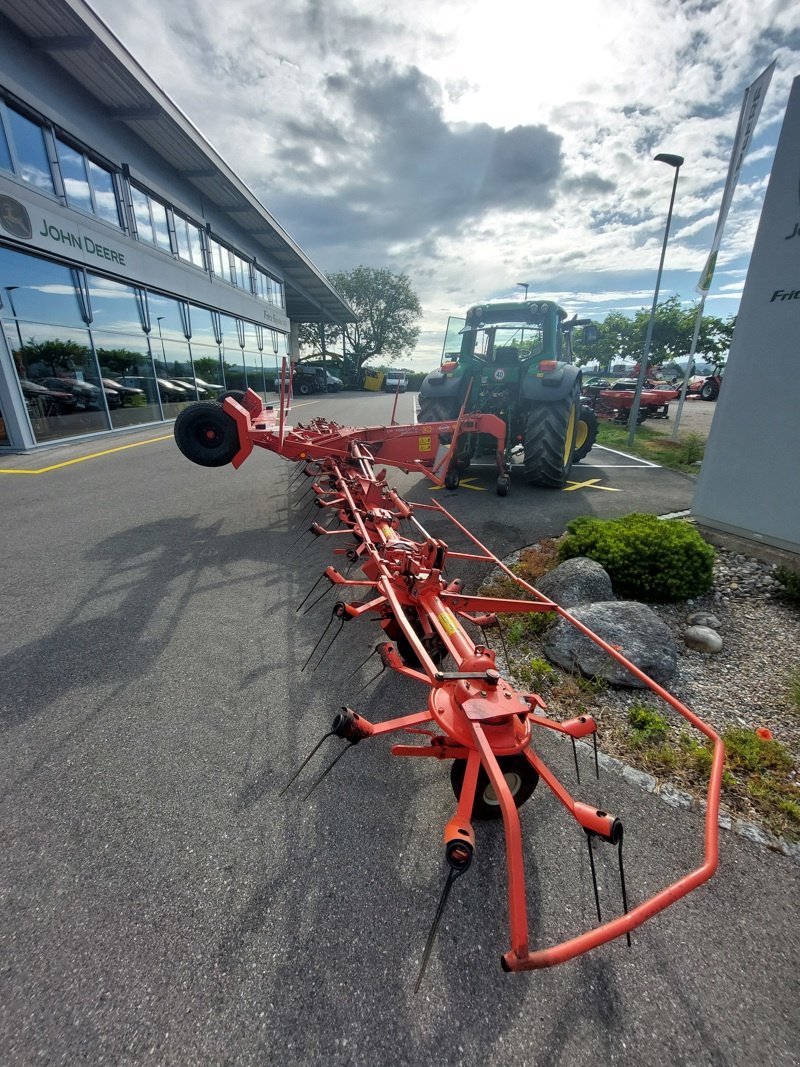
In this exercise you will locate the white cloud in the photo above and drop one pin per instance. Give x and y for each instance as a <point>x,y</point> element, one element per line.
<point>475,144</point>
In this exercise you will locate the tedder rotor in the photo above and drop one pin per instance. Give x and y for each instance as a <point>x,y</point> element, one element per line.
<point>472,715</point>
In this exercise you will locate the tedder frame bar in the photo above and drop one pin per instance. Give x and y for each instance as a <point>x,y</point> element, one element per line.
<point>474,716</point>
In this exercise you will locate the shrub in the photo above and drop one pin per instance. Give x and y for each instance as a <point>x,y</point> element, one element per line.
<point>646,558</point>
<point>790,584</point>
<point>648,726</point>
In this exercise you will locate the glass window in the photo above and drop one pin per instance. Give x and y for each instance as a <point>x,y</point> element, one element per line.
<point>190,245</point>
<point>60,383</point>
<point>28,138</point>
<point>76,181</point>
<point>242,273</point>
<point>220,260</point>
<point>35,290</point>
<point>269,288</point>
<point>141,214</point>
<point>106,205</point>
<point>160,225</point>
<point>5,155</point>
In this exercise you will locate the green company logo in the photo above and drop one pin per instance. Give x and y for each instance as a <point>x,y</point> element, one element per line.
<point>14,218</point>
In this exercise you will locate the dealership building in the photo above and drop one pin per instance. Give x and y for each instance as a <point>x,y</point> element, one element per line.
<point>137,271</point>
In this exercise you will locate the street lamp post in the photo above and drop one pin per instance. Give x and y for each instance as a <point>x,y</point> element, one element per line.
<point>677,163</point>
<point>524,285</point>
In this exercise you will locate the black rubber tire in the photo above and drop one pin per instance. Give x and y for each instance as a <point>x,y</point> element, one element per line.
<point>503,485</point>
<point>586,433</point>
<point>206,434</point>
<point>451,480</point>
<point>437,411</point>
<point>521,777</point>
<point>709,391</point>
<point>550,430</point>
<point>303,389</point>
<point>234,394</point>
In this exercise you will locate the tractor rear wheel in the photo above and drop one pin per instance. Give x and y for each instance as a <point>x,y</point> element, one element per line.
<point>206,434</point>
<point>437,411</point>
<point>710,390</point>
<point>550,431</point>
<point>586,433</point>
<point>520,777</point>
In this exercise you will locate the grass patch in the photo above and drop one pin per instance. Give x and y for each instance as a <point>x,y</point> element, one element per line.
<point>680,455</point>
<point>758,778</point>
<point>533,562</point>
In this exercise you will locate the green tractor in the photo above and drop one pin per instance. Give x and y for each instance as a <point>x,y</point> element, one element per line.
<point>515,359</point>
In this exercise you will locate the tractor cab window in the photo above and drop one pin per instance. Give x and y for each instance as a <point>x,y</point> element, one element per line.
<point>506,345</point>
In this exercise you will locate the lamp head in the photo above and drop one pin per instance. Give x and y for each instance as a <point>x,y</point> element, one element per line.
<point>665,157</point>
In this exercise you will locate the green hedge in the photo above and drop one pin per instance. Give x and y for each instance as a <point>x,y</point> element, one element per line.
<point>647,558</point>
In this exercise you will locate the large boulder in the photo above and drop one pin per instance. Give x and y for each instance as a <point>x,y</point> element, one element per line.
<point>634,628</point>
<point>576,581</point>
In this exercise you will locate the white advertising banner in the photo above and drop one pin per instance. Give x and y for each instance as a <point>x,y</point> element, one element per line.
<point>748,117</point>
<point>749,483</point>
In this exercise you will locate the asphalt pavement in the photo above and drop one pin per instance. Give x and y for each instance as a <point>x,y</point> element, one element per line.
<point>163,903</point>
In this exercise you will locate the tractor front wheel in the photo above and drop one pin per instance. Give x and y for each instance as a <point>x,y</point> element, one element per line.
<point>550,433</point>
<point>586,433</point>
<point>206,434</point>
<point>520,777</point>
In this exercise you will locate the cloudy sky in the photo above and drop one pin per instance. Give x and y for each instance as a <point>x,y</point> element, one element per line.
<point>474,144</point>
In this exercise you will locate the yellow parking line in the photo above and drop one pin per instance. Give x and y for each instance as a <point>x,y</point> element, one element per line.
<point>94,455</point>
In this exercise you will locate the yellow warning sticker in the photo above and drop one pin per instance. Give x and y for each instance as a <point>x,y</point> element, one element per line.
<point>424,444</point>
<point>449,624</point>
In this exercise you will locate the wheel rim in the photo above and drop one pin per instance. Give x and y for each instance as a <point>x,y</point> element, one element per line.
<point>514,783</point>
<point>207,436</point>
<point>581,433</point>
<point>569,437</point>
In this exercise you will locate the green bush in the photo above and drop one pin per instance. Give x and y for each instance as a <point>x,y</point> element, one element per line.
<point>790,584</point>
<point>647,558</point>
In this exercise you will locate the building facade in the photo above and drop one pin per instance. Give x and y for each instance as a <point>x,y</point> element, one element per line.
<point>137,272</point>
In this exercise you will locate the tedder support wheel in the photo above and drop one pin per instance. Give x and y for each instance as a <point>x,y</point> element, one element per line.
<point>520,777</point>
<point>503,485</point>
<point>206,434</point>
<point>550,432</point>
<point>451,480</point>
<point>586,433</point>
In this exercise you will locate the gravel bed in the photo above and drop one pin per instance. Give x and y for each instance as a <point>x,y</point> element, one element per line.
<point>745,684</point>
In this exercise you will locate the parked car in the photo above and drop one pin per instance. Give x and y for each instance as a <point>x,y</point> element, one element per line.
<point>334,384</point>
<point>86,395</point>
<point>43,402</point>
<point>394,381</point>
<point>128,394</point>
<point>197,391</point>
<point>170,392</point>
<point>209,388</point>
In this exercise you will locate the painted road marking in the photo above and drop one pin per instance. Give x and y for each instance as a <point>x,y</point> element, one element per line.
<point>94,455</point>
<point>590,484</point>
<point>464,483</point>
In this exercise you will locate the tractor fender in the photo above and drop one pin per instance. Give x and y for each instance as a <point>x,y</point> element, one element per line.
<point>442,386</point>
<point>552,385</point>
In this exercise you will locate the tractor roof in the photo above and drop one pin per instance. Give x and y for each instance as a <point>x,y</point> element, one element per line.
<point>511,312</point>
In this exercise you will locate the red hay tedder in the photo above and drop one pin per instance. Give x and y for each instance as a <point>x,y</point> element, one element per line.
<point>473,716</point>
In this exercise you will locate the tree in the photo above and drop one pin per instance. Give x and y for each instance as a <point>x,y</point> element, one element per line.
<point>623,338</point>
<point>386,309</point>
